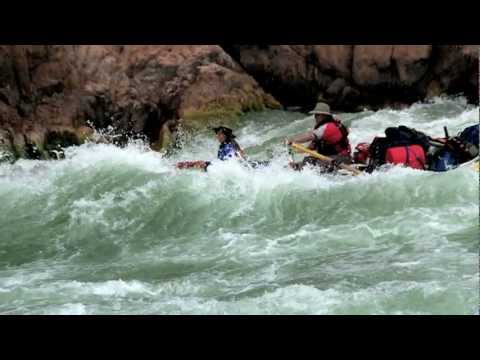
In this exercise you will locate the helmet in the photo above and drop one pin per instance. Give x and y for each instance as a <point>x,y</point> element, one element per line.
<point>362,152</point>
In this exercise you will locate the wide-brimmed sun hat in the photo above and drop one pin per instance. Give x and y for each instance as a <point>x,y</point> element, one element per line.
<point>321,108</point>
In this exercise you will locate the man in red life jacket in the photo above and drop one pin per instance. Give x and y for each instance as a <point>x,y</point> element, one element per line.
<point>329,137</point>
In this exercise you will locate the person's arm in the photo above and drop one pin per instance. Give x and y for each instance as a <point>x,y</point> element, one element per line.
<point>302,138</point>
<point>239,150</point>
<point>242,155</point>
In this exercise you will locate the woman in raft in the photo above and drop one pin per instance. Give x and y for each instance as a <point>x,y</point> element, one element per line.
<point>228,149</point>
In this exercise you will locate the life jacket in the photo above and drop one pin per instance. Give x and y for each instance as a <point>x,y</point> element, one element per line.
<point>469,139</point>
<point>443,161</point>
<point>456,150</point>
<point>410,155</point>
<point>471,135</point>
<point>227,150</point>
<point>334,140</point>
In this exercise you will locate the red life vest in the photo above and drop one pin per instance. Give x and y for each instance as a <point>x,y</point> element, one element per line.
<point>412,156</point>
<point>334,140</point>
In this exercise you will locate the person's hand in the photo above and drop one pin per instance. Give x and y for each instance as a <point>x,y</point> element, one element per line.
<point>440,140</point>
<point>294,166</point>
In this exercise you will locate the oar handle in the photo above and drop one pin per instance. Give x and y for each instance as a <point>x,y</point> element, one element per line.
<point>199,164</point>
<point>324,158</point>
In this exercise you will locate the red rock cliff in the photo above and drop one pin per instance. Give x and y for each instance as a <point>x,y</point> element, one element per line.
<point>49,93</point>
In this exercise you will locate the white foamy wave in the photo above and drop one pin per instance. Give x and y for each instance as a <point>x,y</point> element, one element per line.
<point>120,230</point>
<point>69,309</point>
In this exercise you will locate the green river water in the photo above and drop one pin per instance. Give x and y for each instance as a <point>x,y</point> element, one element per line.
<point>119,231</point>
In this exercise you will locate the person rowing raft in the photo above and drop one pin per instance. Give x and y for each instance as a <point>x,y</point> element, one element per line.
<point>228,149</point>
<point>328,137</point>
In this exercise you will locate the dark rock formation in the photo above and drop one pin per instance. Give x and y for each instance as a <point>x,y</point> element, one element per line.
<point>351,77</point>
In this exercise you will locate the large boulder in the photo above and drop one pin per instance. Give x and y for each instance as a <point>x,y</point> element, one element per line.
<point>388,65</point>
<point>412,62</point>
<point>372,65</point>
<point>134,88</point>
<point>335,59</point>
<point>288,72</point>
<point>449,72</point>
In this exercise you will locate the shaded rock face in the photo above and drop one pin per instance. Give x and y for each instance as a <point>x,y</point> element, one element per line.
<point>49,93</point>
<point>350,77</point>
<point>287,71</point>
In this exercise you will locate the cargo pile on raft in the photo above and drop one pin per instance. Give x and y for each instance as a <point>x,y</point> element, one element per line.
<point>329,149</point>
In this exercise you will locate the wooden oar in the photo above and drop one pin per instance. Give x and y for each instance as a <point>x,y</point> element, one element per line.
<point>201,165</point>
<point>324,158</point>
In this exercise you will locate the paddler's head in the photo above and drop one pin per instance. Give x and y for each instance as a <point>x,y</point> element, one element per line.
<point>321,113</point>
<point>224,134</point>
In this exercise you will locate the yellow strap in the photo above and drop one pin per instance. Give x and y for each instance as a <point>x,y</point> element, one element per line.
<point>324,158</point>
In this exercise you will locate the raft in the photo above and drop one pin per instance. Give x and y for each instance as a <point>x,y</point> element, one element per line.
<point>356,169</point>
<point>474,164</point>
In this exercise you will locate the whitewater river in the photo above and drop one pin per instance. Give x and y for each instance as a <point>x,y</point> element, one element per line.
<point>120,231</point>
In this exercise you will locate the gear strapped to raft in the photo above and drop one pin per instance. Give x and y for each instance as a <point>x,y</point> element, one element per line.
<point>452,152</point>
<point>466,143</point>
<point>398,147</point>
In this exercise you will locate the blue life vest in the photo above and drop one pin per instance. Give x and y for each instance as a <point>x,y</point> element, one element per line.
<point>446,161</point>
<point>227,151</point>
<point>470,134</point>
